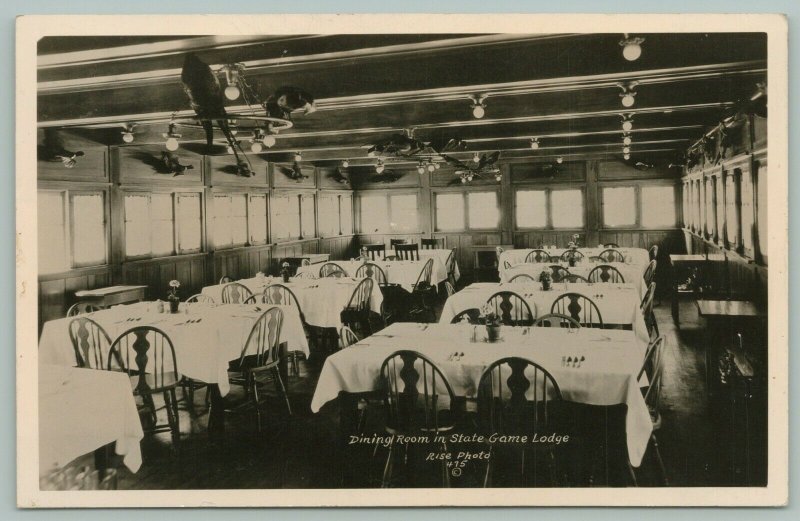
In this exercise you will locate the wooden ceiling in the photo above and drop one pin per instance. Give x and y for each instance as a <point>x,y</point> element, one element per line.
<point>560,88</point>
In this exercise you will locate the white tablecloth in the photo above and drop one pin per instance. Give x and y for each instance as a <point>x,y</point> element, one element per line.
<point>618,303</point>
<point>321,300</point>
<point>404,273</point>
<point>202,349</point>
<point>632,273</point>
<point>606,377</point>
<point>637,255</point>
<point>442,254</point>
<point>81,410</point>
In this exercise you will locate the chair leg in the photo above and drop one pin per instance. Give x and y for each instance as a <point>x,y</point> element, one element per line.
<point>655,324</point>
<point>257,402</point>
<point>282,389</point>
<point>632,475</point>
<point>387,468</point>
<point>171,403</point>
<point>660,461</point>
<point>188,396</point>
<point>294,361</point>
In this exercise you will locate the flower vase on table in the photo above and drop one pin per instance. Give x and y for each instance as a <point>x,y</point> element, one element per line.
<point>492,322</point>
<point>546,278</point>
<point>173,298</point>
<point>285,274</point>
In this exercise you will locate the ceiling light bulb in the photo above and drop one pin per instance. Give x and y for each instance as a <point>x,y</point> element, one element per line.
<point>627,100</point>
<point>380,168</point>
<point>626,140</point>
<point>631,47</point>
<point>437,166</point>
<point>345,163</point>
<point>420,169</point>
<point>626,156</point>
<point>268,141</point>
<point>298,156</point>
<point>626,150</point>
<point>535,143</point>
<point>559,160</point>
<point>371,153</point>
<point>476,158</point>
<point>229,149</point>
<point>627,125</point>
<point>127,136</point>
<point>172,144</point>
<point>478,111</point>
<point>232,92</point>
<point>463,179</point>
<point>498,177</point>
<point>431,168</point>
<point>256,147</point>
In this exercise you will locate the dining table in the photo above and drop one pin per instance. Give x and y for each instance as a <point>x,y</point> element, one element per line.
<point>441,254</point>
<point>639,256</point>
<point>619,304</point>
<point>631,273</point>
<point>402,272</point>
<point>321,300</point>
<point>83,410</point>
<point>591,366</point>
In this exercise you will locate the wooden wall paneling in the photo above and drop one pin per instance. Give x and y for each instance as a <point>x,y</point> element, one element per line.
<point>280,176</point>
<point>92,166</point>
<point>221,170</point>
<point>57,291</point>
<point>547,172</point>
<point>143,165</point>
<point>334,178</point>
<point>365,178</point>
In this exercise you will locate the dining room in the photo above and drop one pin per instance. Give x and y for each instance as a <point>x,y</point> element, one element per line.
<point>402,261</point>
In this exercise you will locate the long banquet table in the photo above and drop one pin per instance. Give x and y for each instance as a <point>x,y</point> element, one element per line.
<point>203,347</point>
<point>632,273</point>
<point>81,410</point>
<point>400,272</point>
<point>619,304</point>
<point>632,255</point>
<point>321,300</point>
<point>607,376</point>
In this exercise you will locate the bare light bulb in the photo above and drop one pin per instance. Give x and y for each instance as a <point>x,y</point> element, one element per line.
<point>268,141</point>
<point>345,163</point>
<point>229,149</point>
<point>631,51</point>
<point>172,144</point>
<point>420,169</point>
<point>626,156</point>
<point>627,125</point>
<point>559,160</point>
<point>627,100</point>
<point>232,92</point>
<point>380,168</point>
<point>534,144</point>
<point>431,168</point>
<point>498,178</point>
<point>464,180</point>
<point>626,150</point>
<point>437,166</point>
<point>371,153</point>
<point>127,137</point>
<point>256,147</point>
<point>626,140</point>
<point>476,158</point>
<point>478,111</point>
<point>298,156</point>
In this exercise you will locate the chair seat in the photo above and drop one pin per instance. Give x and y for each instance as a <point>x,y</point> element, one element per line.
<point>168,381</point>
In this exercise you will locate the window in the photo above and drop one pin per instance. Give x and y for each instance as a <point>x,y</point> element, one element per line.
<point>731,210</point>
<point>658,206</point>
<point>619,206</point>
<point>709,209</point>
<point>88,229</point>
<point>386,213</point>
<point>153,222</point>
<point>450,212</point>
<point>257,218</point>
<point>696,223</point>
<point>285,217</point>
<point>161,224</point>
<point>687,213</point>
<point>719,188</point>
<point>52,232</point>
<point>747,209</point>
<point>762,210</point>
<point>230,220</point>
<point>307,216</point>
<point>567,208</point>
<point>483,210</point>
<point>190,230</point>
<point>531,208</point>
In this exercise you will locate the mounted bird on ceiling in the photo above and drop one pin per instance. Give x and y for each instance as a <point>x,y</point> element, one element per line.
<point>295,173</point>
<point>53,149</point>
<point>339,176</point>
<point>208,102</point>
<point>286,100</point>
<point>640,165</point>
<point>167,163</point>
<point>455,144</point>
<point>400,145</point>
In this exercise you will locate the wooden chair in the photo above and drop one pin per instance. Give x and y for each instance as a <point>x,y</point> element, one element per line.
<point>418,401</point>
<point>450,266</point>
<point>347,337</point>
<point>375,251</point>
<point>574,278</point>
<point>90,342</point>
<point>575,255</point>
<point>235,293</point>
<point>653,252</point>
<point>304,275</point>
<point>606,273</point>
<point>471,315</point>
<point>537,257</point>
<point>356,314</point>
<point>580,308</point>
<point>390,258</point>
<point>260,356</point>
<point>653,367</point>
<point>650,272</point>
<point>611,245</point>
<point>422,294</point>
<point>431,244</point>
<point>559,272</point>
<point>557,320</point>
<point>147,355</point>
<point>82,308</point>
<point>372,271</point>
<point>225,279</point>
<point>518,397</point>
<point>612,255</point>
<point>647,310</point>
<point>199,297</point>
<point>331,269</point>
<point>449,289</point>
<point>280,295</point>
<point>522,278</point>
<point>394,295</point>
<point>512,309</point>
<point>395,242</point>
<point>407,251</point>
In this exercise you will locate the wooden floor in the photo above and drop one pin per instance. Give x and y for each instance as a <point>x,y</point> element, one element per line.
<point>301,452</point>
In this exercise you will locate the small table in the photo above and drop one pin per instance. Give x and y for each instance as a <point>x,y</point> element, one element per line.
<point>307,258</point>
<point>112,295</point>
<point>680,265</point>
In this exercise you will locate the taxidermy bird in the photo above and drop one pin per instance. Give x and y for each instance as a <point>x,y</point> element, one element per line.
<point>208,102</point>
<point>452,145</point>
<point>173,164</point>
<point>285,100</point>
<point>339,176</point>
<point>643,166</point>
<point>485,163</point>
<point>53,150</point>
<point>398,145</point>
<point>294,173</point>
